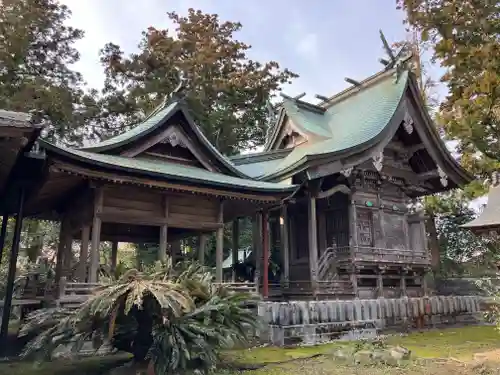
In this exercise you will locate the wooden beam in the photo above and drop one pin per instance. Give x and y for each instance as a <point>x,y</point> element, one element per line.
<point>84,252</point>
<point>235,247</point>
<point>154,183</point>
<point>219,247</point>
<point>96,235</point>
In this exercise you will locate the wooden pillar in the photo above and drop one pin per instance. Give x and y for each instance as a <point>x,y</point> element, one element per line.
<point>353,219</point>
<point>3,234</point>
<point>219,245</point>
<point>114,255</point>
<point>354,280</point>
<point>313,243</point>
<point>162,255</point>
<point>353,244</point>
<point>235,246</point>
<point>257,247</point>
<point>265,254</point>
<point>202,245</point>
<point>403,283</point>
<point>96,236</point>
<point>11,276</point>
<point>380,283</point>
<point>406,230</point>
<point>84,253</point>
<point>285,245</point>
<point>425,287</point>
<point>62,249</point>
<point>175,250</point>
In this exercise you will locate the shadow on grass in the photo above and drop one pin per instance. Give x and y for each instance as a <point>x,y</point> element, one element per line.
<point>82,366</point>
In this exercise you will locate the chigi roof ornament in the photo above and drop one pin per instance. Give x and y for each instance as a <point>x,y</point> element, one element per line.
<point>400,60</point>
<point>177,94</point>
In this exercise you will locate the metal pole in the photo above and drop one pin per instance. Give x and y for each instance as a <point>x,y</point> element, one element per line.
<point>3,233</point>
<point>12,271</point>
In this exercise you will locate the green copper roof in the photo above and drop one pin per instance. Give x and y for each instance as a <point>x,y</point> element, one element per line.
<point>258,164</point>
<point>309,121</point>
<point>138,130</point>
<point>156,121</point>
<point>348,123</point>
<point>167,170</point>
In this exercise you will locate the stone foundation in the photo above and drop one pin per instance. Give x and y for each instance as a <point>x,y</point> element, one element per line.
<point>314,322</point>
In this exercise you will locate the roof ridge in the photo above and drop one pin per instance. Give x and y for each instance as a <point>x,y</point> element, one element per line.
<point>367,82</point>
<point>259,156</point>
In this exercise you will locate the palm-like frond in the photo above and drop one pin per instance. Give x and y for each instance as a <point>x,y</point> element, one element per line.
<point>176,316</point>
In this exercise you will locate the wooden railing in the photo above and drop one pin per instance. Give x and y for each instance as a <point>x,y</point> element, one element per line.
<point>241,287</point>
<point>380,255</point>
<point>72,295</point>
<point>332,287</point>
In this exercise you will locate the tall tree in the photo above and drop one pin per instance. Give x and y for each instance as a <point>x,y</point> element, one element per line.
<point>226,91</point>
<point>465,38</point>
<point>36,51</point>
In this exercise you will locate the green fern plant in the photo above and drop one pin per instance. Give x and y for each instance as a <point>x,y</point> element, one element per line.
<point>173,319</point>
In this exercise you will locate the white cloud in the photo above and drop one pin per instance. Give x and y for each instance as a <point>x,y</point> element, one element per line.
<point>308,46</point>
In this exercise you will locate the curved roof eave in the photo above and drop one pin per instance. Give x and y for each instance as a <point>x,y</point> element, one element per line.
<point>169,111</point>
<point>240,185</point>
<point>460,173</point>
<point>385,134</point>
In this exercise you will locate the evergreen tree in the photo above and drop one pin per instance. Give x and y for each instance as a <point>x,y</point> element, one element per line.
<point>36,53</point>
<point>227,92</point>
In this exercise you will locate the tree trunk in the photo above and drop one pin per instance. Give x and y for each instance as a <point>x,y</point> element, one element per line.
<point>144,336</point>
<point>430,228</point>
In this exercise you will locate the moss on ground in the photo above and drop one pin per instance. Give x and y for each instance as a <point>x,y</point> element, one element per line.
<point>460,343</point>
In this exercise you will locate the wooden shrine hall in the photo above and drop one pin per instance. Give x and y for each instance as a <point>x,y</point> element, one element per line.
<point>331,193</point>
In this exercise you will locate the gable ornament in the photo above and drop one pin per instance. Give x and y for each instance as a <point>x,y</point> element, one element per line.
<point>443,178</point>
<point>175,140</point>
<point>346,172</point>
<point>378,159</point>
<point>408,123</point>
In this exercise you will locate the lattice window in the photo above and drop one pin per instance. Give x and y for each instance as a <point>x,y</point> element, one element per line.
<point>337,227</point>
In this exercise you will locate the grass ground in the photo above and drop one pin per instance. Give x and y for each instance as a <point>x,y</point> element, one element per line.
<point>445,352</point>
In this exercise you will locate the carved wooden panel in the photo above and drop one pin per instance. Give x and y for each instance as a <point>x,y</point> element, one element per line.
<point>394,230</point>
<point>417,238</point>
<point>365,227</point>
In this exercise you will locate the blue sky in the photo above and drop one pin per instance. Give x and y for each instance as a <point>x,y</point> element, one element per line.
<point>323,41</point>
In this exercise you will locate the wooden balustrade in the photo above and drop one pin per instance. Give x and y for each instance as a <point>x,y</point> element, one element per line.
<point>241,287</point>
<point>380,255</point>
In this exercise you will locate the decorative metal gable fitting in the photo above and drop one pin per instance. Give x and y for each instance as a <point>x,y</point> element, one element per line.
<point>346,171</point>
<point>443,178</point>
<point>408,123</point>
<point>378,159</point>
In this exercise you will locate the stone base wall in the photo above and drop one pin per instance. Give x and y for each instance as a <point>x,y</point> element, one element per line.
<point>313,322</point>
